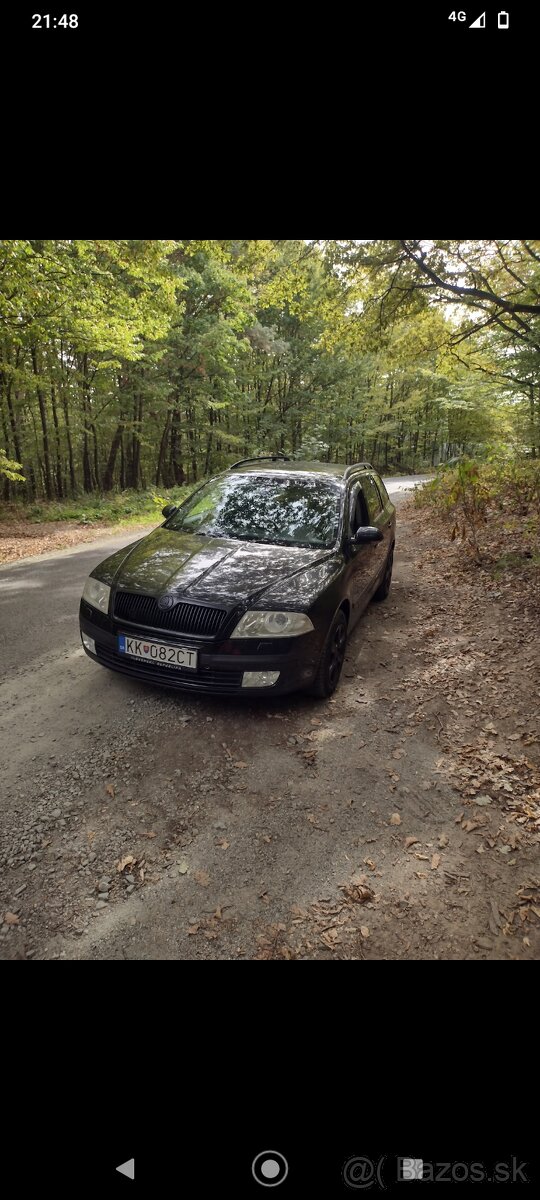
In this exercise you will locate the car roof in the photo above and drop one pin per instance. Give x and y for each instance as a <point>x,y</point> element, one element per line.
<point>298,466</point>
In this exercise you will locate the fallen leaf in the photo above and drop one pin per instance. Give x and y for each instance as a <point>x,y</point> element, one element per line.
<point>141,875</point>
<point>435,861</point>
<point>109,789</point>
<point>240,764</point>
<point>223,844</point>
<point>424,857</point>
<point>468,826</point>
<point>483,800</point>
<point>411,841</point>
<point>458,820</point>
<point>11,919</point>
<point>193,929</point>
<point>358,893</point>
<point>125,862</point>
<point>364,931</point>
<point>395,819</point>
<point>202,877</point>
<point>443,841</point>
<point>526,941</point>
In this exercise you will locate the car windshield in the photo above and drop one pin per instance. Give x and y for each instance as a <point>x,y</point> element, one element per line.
<point>284,511</point>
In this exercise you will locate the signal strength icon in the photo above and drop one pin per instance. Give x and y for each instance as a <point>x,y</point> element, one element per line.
<point>480,22</point>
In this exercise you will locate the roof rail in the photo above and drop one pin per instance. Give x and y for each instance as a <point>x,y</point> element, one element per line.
<point>357,467</point>
<point>259,458</point>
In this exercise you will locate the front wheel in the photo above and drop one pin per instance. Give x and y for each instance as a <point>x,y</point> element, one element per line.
<point>384,588</point>
<point>327,677</point>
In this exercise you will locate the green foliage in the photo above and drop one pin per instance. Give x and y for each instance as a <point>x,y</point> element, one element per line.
<point>471,494</point>
<point>127,364</point>
<point>112,509</point>
<point>10,469</point>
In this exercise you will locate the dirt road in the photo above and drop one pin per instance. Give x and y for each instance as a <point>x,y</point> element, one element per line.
<point>397,820</point>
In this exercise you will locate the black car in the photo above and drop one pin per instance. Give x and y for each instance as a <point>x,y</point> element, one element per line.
<point>251,585</point>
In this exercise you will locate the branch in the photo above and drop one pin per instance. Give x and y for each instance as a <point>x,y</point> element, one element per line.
<point>474,293</point>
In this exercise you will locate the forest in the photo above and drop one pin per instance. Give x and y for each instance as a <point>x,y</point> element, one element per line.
<point>154,364</point>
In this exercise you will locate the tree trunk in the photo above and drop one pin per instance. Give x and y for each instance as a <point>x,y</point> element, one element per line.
<point>108,474</point>
<point>122,465</point>
<point>49,491</point>
<point>72,476</point>
<point>162,446</point>
<point>58,472</point>
<point>192,443</point>
<point>6,440</point>
<point>12,414</point>
<point>89,480</point>
<point>533,434</point>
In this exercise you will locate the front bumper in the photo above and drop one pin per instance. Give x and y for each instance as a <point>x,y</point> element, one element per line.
<point>221,673</point>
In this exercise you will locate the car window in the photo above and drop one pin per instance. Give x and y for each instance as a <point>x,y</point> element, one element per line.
<point>296,510</point>
<point>373,499</point>
<point>381,488</point>
<point>357,510</point>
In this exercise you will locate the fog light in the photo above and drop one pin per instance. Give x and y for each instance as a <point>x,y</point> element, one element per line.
<point>259,678</point>
<point>88,643</point>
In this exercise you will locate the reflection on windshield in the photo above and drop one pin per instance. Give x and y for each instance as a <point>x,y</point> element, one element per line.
<point>295,511</point>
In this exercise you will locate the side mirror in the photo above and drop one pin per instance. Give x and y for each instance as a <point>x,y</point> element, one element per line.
<point>367,533</point>
<point>169,510</point>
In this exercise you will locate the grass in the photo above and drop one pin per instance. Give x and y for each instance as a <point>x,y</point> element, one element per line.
<point>114,508</point>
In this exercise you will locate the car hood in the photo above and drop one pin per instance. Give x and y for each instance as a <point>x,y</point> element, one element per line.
<point>209,568</point>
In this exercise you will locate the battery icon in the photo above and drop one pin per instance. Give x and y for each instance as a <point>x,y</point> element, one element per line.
<point>503,20</point>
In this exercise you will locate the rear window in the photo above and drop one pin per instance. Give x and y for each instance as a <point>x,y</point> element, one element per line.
<point>381,488</point>
<point>372,497</point>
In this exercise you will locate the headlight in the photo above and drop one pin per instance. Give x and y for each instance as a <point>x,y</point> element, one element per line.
<point>272,624</point>
<point>97,593</point>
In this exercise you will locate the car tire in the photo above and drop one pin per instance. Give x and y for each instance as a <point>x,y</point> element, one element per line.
<point>384,587</point>
<point>332,658</point>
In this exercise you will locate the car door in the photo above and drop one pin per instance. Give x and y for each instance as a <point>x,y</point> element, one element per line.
<point>360,558</point>
<point>379,516</point>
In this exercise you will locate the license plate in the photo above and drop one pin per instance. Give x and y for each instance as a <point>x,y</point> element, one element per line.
<point>158,652</point>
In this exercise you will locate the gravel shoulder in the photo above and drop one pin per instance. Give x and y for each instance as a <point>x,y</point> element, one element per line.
<point>397,820</point>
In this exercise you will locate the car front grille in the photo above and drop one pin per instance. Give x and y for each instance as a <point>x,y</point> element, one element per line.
<point>203,680</point>
<point>182,618</point>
